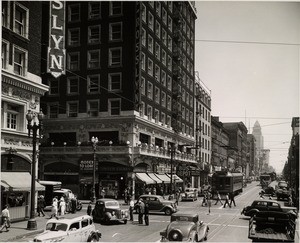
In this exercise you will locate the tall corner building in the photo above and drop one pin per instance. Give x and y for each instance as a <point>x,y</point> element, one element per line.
<point>21,90</point>
<point>257,133</point>
<point>129,83</point>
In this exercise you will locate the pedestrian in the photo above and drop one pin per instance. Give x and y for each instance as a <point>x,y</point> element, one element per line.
<point>73,205</point>
<point>62,206</point>
<point>204,201</point>
<point>141,211</point>
<point>125,196</point>
<point>5,219</point>
<point>218,198</point>
<point>177,196</point>
<point>41,205</point>
<point>89,209</point>
<point>54,208</point>
<point>131,208</point>
<point>226,201</point>
<point>209,201</point>
<point>146,214</point>
<point>154,191</point>
<point>231,196</point>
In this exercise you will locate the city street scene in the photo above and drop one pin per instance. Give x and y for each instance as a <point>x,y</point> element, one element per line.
<point>150,121</point>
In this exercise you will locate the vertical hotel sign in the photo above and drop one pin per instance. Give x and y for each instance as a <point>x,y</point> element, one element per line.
<point>56,50</point>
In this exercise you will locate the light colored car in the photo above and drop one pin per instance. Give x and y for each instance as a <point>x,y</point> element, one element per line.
<point>185,227</point>
<point>189,194</point>
<point>79,229</point>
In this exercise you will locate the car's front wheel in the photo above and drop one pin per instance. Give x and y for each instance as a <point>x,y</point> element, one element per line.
<point>168,211</point>
<point>93,238</point>
<point>125,221</point>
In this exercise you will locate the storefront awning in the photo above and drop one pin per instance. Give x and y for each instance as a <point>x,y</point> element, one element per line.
<point>175,178</point>
<point>145,178</point>
<point>164,178</point>
<point>155,178</point>
<point>18,181</point>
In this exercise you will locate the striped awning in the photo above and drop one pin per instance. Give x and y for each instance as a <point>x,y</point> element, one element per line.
<point>18,181</point>
<point>145,178</point>
<point>155,178</point>
<point>164,178</point>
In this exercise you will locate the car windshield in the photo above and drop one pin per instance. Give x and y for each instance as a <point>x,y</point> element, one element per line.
<point>112,204</point>
<point>56,227</point>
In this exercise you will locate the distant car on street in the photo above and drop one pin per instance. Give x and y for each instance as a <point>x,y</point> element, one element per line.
<point>158,204</point>
<point>108,210</point>
<point>267,205</point>
<point>185,227</point>
<point>189,194</point>
<point>79,229</point>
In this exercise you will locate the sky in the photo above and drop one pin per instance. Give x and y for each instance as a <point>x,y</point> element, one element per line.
<point>248,56</point>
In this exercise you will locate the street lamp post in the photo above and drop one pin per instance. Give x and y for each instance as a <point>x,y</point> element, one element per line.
<point>171,179</point>
<point>31,224</point>
<point>94,141</point>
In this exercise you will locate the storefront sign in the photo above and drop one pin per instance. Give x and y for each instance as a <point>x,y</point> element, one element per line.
<point>88,165</point>
<point>114,169</point>
<point>56,50</point>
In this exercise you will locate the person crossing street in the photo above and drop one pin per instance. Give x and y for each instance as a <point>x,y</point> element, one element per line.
<point>218,198</point>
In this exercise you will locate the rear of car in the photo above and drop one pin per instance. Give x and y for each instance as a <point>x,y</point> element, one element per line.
<point>190,194</point>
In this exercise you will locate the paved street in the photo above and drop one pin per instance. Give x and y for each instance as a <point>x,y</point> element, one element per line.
<point>226,225</point>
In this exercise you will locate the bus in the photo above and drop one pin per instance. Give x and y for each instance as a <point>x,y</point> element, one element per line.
<point>265,180</point>
<point>227,182</point>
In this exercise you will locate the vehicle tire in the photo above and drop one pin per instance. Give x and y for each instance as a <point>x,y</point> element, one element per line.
<point>79,207</point>
<point>168,211</point>
<point>93,238</point>
<point>125,221</point>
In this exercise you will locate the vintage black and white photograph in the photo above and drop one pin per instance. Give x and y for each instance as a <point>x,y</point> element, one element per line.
<point>150,121</point>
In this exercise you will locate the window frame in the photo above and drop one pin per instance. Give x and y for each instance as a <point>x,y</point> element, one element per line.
<point>50,111</point>
<point>111,13</point>
<point>111,64</point>
<point>68,108</point>
<point>111,31</point>
<point>25,66</point>
<point>5,54</point>
<point>90,61</point>
<point>70,42</point>
<point>70,12</point>
<point>90,10</point>
<point>73,54</point>
<point>90,111</point>
<point>94,40</point>
<point>110,84</point>
<point>110,107</point>
<point>70,85</point>
<point>26,24</point>
<point>89,84</point>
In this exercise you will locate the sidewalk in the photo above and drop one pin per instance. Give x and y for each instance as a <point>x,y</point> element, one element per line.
<point>18,230</point>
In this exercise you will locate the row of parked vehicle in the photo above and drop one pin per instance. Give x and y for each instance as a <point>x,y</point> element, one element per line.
<point>269,220</point>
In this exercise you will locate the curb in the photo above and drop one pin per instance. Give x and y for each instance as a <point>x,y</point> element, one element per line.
<point>25,235</point>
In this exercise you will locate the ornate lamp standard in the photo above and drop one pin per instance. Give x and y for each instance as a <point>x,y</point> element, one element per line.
<point>95,141</point>
<point>31,224</point>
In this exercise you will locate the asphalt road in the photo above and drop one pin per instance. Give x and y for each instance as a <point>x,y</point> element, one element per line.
<point>226,224</point>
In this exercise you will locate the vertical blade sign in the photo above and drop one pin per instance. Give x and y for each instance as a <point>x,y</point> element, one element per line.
<point>56,49</point>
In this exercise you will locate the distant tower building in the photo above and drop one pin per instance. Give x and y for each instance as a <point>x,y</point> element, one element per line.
<point>259,143</point>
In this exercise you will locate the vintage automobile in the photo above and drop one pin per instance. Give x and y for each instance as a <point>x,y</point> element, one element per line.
<point>185,227</point>
<point>189,194</point>
<point>69,197</point>
<point>268,205</point>
<point>108,210</point>
<point>158,204</point>
<point>282,191</point>
<point>79,229</point>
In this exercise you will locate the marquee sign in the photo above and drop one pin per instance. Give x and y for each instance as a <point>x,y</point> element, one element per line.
<point>56,50</point>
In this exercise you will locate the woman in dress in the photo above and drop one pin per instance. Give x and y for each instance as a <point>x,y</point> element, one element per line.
<point>62,206</point>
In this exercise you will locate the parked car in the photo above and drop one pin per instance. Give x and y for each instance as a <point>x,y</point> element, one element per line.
<point>189,194</point>
<point>68,197</point>
<point>108,210</point>
<point>79,229</point>
<point>158,204</point>
<point>268,205</point>
<point>185,227</point>
<point>282,190</point>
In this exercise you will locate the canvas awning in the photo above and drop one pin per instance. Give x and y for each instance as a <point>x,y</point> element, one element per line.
<point>18,181</point>
<point>145,178</point>
<point>155,178</point>
<point>164,178</point>
<point>175,178</point>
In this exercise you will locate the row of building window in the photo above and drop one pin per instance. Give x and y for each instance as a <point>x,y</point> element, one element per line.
<point>93,84</point>
<point>94,34</point>
<point>19,58</point>
<point>94,10</point>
